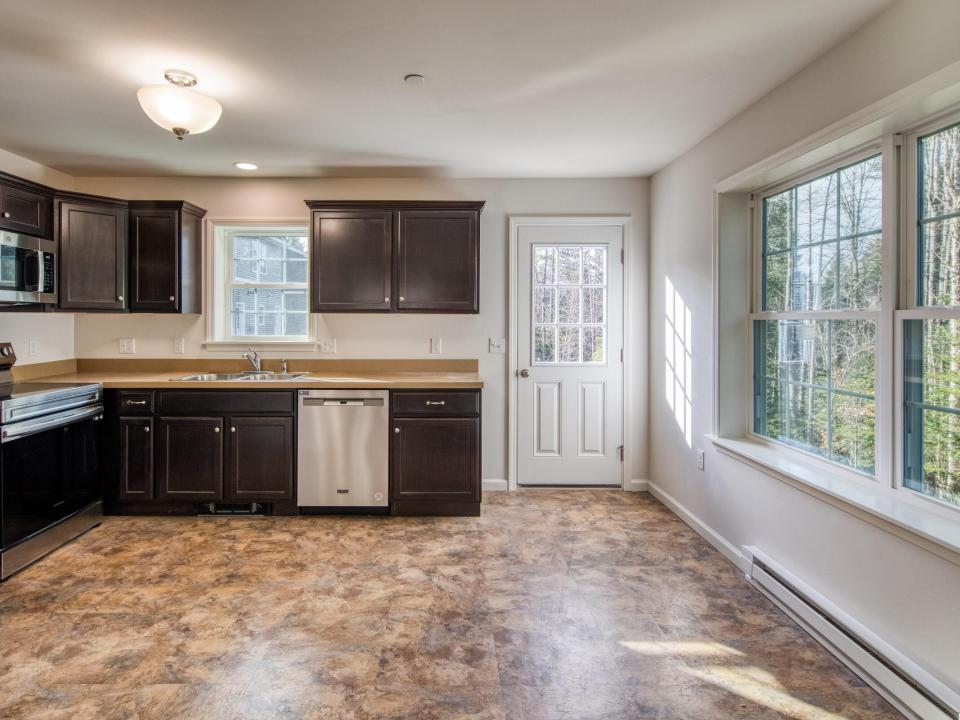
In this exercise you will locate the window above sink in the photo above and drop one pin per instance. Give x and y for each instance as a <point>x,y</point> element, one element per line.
<point>258,280</point>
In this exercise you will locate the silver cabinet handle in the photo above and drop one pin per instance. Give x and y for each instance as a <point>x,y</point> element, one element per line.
<point>172,298</point>
<point>233,429</point>
<point>120,298</point>
<point>396,431</point>
<point>136,402</point>
<point>146,429</point>
<point>524,373</point>
<point>401,298</point>
<point>386,299</point>
<point>436,402</point>
<point>216,429</point>
<point>6,214</point>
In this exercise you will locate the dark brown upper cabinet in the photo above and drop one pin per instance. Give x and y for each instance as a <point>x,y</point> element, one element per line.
<point>438,261</point>
<point>25,207</point>
<point>165,256</point>
<point>92,233</point>
<point>395,256</point>
<point>351,252</point>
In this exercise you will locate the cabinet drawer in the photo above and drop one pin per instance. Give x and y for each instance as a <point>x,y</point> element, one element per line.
<point>436,403</point>
<point>226,402</point>
<point>135,402</point>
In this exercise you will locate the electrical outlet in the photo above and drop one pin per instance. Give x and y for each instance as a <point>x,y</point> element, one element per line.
<point>178,345</point>
<point>497,346</point>
<point>328,345</point>
<point>128,346</point>
<point>436,346</point>
<point>33,348</point>
<point>699,459</point>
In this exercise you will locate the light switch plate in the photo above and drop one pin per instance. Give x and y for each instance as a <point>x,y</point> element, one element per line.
<point>33,348</point>
<point>128,346</point>
<point>436,346</point>
<point>328,345</point>
<point>178,345</point>
<point>699,459</point>
<point>497,346</point>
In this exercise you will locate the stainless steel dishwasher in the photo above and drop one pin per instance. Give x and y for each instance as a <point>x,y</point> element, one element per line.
<point>343,448</point>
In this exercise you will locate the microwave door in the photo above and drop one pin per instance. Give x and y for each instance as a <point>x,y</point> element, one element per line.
<point>9,267</point>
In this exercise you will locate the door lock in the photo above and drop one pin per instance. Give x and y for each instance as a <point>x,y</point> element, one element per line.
<point>524,373</point>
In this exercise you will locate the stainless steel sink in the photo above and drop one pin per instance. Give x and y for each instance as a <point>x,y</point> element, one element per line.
<point>244,376</point>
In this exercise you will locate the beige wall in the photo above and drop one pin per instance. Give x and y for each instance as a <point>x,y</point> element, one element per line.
<point>904,594</point>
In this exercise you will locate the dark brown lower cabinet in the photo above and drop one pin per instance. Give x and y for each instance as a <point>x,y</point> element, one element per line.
<point>190,458</point>
<point>260,458</point>
<point>435,461</point>
<point>136,458</point>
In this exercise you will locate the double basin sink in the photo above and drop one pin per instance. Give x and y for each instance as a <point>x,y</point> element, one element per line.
<point>246,376</point>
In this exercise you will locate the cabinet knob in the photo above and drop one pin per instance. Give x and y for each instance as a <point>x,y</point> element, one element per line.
<point>120,298</point>
<point>401,298</point>
<point>396,430</point>
<point>172,298</point>
<point>386,299</point>
<point>146,429</point>
<point>216,429</point>
<point>6,214</point>
<point>233,429</point>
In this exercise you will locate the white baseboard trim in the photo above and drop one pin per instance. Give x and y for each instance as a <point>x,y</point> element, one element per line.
<point>636,485</point>
<point>494,484</point>
<point>726,548</point>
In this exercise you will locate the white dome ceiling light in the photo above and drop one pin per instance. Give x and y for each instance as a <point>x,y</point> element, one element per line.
<point>177,108</point>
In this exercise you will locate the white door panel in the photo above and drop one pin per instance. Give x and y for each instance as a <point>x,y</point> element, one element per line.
<point>570,334</point>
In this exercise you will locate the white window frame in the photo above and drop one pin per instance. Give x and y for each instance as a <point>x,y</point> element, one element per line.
<point>910,274</point>
<point>218,262</point>
<point>883,316</point>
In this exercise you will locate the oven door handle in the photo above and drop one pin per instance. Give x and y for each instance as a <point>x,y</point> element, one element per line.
<point>15,431</point>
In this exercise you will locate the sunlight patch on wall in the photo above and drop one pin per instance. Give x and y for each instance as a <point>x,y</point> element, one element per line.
<point>678,367</point>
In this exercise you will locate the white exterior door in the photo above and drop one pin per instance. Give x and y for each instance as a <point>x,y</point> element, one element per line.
<point>569,339</point>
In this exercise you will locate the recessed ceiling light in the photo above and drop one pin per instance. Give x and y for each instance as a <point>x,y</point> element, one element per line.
<point>414,79</point>
<point>245,165</point>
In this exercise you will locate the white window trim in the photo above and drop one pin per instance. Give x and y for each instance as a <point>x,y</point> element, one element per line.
<point>882,316</point>
<point>215,288</point>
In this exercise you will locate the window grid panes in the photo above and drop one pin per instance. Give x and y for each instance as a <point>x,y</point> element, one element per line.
<point>815,376</point>
<point>815,387</point>
<point>931,339</point>
<point>569,297</point>
<point>267,285</point>
<point>822,242</point>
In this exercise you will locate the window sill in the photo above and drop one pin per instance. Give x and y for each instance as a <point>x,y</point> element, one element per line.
<point>233,345</point>
<point>887,509</point>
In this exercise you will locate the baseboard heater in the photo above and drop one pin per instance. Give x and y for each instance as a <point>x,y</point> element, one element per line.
<point>907,686</point>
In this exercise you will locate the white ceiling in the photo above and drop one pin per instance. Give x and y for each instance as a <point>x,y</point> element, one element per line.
<point>515,88</point>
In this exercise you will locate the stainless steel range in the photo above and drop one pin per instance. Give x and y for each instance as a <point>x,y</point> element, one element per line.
<point>49,464</point>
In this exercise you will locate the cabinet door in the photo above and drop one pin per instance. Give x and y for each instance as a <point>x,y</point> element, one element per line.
<point>438,261</point>
<point>26,211</point>
<point>190,458</point>
<point>260,458</point>
<point>136,458</point>
<point>351,256</point>
<point>154,261</point>
<point>93,257</point>
<point>436,459</point>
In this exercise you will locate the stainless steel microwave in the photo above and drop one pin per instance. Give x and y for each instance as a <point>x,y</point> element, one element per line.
<point>28,269</point>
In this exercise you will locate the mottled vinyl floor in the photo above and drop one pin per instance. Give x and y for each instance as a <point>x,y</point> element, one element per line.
<point>565,605</point>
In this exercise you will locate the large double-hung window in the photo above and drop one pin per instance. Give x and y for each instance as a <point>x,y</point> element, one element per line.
<point>856,314</point>
<point>815,335</point>
<point>931,327</point>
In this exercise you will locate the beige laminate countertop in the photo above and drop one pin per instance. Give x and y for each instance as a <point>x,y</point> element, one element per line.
<point>344,380</point>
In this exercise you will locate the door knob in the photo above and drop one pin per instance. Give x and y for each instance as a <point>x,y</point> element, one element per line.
<point>524,373</point>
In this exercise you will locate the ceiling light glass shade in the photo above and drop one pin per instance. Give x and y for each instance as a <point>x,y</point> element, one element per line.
<point>180,110</point>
